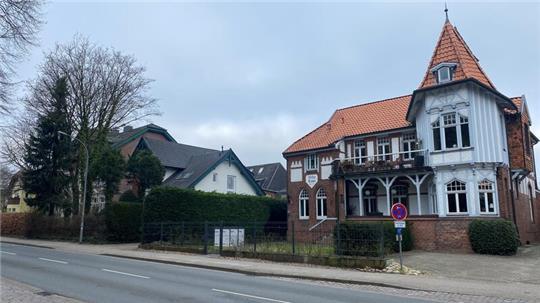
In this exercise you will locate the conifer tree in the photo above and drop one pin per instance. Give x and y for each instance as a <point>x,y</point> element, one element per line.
<point>47,156</point>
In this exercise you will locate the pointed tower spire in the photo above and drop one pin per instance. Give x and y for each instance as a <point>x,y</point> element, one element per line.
<point>446,12</point>
<point>452,49</point>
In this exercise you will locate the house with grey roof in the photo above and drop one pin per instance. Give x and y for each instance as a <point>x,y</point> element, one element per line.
<point>272,177</point>
<point>199,168</point>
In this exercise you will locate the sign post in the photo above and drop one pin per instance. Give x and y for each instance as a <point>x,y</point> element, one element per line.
<point>399,213</point>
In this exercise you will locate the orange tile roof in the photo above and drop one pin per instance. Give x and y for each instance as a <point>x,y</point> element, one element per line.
<point>452,48</point>
<point>517,101</point>
<point>356,120</point>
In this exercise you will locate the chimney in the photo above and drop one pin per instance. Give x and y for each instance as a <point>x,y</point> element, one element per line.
<point>128,128</point>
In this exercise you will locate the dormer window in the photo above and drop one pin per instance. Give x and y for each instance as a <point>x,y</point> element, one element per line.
<point>444,72</point>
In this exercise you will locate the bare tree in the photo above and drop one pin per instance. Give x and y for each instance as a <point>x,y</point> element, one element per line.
<point>20,21</point>
<point>14,135</point>
<point>107,89</point>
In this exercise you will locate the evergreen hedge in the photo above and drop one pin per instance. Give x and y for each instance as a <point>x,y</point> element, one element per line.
<point>123,220</point>
<point>364,238</point>
<point>169,204</point>
<point>494,237</point>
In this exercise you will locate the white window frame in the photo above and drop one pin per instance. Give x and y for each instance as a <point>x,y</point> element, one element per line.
<point>456,193</point>
<point>459,121</point>
<point>312,162</point>
<point>303,205</point>
<point>359,147</point>
<point>233,189</point>
<point>370,200</point>
<point>384,142</point>
<point>401,194</point>
<point>322,204</point>
<point>439,73</point>
<point>485,188</point>
<point>408,140</point>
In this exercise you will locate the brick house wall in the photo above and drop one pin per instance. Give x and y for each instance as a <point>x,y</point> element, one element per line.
<point>126,151</point>
<point>301,226</point>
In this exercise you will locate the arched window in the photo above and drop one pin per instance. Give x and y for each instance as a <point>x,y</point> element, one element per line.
<point>486,194</point>
<point>303,204</point>
<point>321,204</point>
<point>456,194</point>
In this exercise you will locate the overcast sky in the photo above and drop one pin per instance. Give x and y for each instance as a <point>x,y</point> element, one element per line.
<point>256,77</point>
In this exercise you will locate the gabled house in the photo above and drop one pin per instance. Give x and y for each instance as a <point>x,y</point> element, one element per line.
<point>126,140</point>
<point>16,196</point>
<point>453,150</point>
<point>272,177</point>
<point>204,169</point>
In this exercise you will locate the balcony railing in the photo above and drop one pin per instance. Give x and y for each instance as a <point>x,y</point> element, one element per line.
<point>380,162</point>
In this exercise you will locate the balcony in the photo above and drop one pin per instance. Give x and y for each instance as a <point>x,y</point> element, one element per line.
<point>380,163</point>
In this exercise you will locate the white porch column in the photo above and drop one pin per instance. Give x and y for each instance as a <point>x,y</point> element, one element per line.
<point>417,181</point>
<point>360,187</point>
<point>387,183</point>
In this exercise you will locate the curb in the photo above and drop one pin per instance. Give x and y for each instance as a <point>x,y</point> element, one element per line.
<point>260,274</point>
<point>26,244</point>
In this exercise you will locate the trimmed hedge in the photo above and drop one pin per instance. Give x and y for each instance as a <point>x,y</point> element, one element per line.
<point>494,237</point>
<point>123,221</point>
<point>364,239</point>
<point>38,226</point>
<point>169,204</point>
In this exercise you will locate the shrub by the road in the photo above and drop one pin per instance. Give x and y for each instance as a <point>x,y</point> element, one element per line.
<point>123,221</point>
<point>367,238</point>
<point>168,204</point>
<point>494,237</point>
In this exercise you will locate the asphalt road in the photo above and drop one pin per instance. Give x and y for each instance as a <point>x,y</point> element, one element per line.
<point>94,278</point>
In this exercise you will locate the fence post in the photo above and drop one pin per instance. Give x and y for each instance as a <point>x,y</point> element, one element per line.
<point>293,241</point>
<point>221,238</point>
<point>182,235</point>
<point>254,237</point>
<point>161,234</point>
<point>381,248</point>
<point>338,250</point>
<point>205,237</point>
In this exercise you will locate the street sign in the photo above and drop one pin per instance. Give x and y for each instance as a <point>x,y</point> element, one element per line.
<point>399,224</point>
<point>399,212</point>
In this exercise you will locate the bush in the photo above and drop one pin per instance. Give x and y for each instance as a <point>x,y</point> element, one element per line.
<point>37,225</point>
<point>390,237</point>
<point>123,221</point>
<point>168,204</point>
<point>129,196</point>
<point>14,224</point>
<point>494,237</point>
<point>371,239</point>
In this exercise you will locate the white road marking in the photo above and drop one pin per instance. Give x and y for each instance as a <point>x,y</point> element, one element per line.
<point>55,261</point>
<point>7,252</point>
<point>125,273</point>
<point>249,296</point>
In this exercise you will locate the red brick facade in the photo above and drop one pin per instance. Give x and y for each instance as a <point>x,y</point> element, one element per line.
<point>127,150</point>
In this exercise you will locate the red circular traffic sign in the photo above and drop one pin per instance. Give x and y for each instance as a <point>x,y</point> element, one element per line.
<point>399,212</point>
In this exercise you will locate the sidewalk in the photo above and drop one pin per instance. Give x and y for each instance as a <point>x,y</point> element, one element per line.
<point>470,285</point>
<point>15,292</point>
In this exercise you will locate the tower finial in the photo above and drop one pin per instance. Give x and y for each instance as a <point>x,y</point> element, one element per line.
<point>446,11</point>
